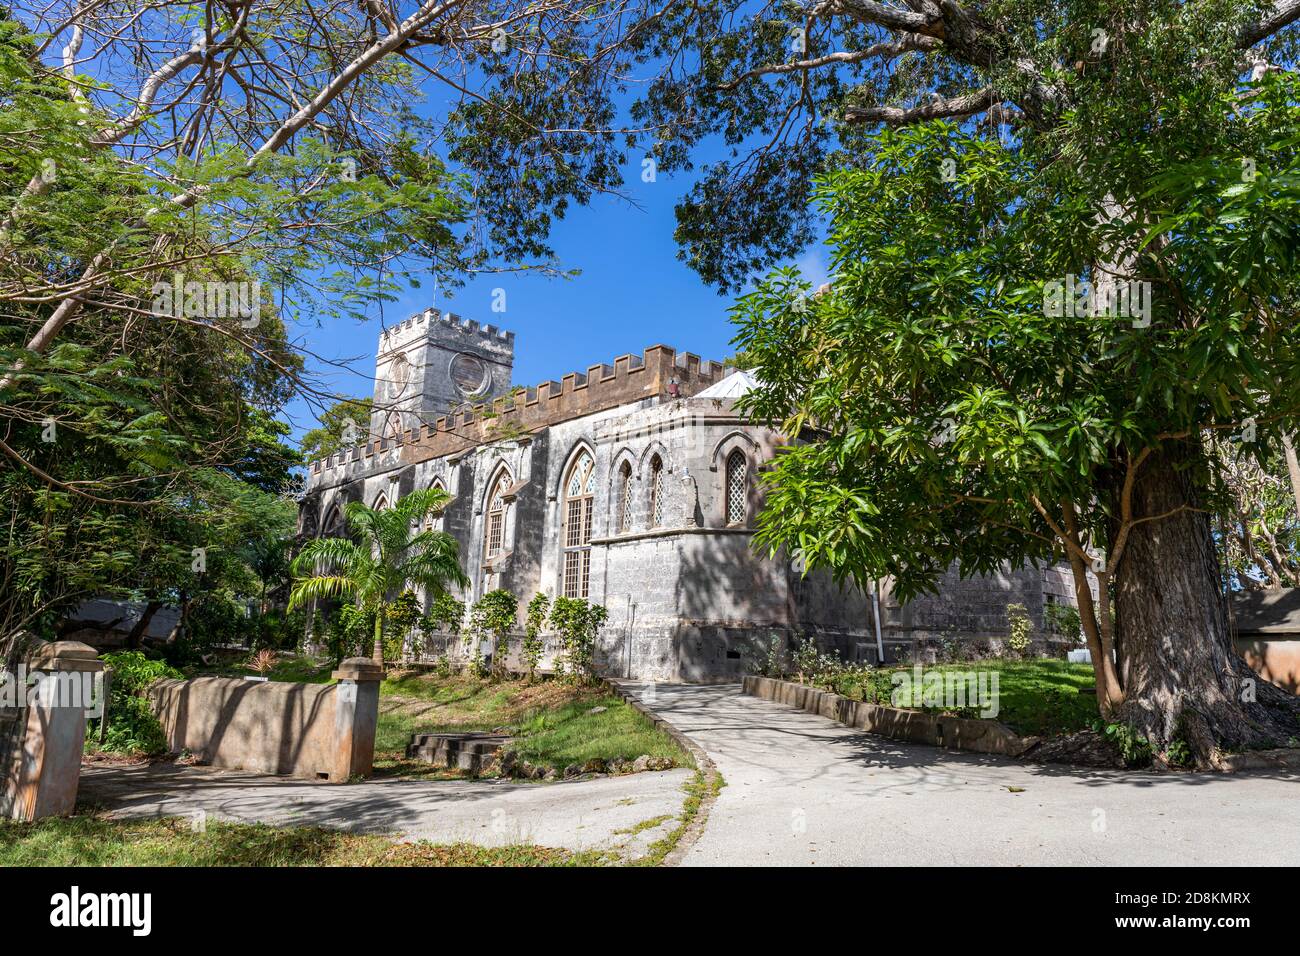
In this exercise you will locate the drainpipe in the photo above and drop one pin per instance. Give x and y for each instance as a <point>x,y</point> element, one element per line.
<point>875,607</point>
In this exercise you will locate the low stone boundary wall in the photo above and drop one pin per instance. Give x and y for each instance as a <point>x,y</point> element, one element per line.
<point>957,733</point>
<point>315,731</point>
<point>1276,660</point>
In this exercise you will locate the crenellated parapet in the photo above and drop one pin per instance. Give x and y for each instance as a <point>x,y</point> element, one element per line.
<point>659,372</point>
<point>417,327</point>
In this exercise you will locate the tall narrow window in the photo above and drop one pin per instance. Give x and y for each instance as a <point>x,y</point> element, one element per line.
<point>381,503</point>
<point>333,526</point>
<point>656,491</point>
<point>495,531</point>
<point>579,491</point>
<point>625,498</point>
<point>737,488</point>
<point>393,426</point>
<point>433,521</point>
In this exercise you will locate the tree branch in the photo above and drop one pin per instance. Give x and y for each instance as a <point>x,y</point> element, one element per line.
<point>967,104</point>
<point>887,50</point>
<point>1279,16</point>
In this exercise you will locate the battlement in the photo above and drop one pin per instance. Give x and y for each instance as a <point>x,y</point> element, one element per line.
<point>431,322</point>
<point>658,372</point>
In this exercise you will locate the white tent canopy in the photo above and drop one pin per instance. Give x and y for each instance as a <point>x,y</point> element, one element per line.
<point>733,386</point>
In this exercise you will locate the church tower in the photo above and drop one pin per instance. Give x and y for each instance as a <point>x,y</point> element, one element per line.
<point>434,362</point>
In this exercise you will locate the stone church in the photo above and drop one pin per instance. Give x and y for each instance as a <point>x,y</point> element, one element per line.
<point>631,485</point>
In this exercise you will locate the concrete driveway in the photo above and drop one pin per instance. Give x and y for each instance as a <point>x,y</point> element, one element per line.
<point>592,814</point>
<point>802,790</point>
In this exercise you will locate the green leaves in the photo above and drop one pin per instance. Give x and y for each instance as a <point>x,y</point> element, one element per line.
<point>390,554</point>
<point>931,395</point>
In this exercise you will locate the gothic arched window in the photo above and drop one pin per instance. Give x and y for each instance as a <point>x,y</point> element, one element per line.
<point>737,488</point>
<point>433,521</point>
<point>381,502</point>
<point>393,427</point>
<point>624,498</point>
<point>333,524</point>
<point>656,491</point>
<point>495,529</point>
<point>579,491</point>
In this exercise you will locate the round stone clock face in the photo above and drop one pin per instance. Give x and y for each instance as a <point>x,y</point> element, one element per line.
<point>399,376</point>
<point>470,375</point>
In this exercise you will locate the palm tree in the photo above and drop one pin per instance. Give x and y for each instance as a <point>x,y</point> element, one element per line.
<point>390,555</point>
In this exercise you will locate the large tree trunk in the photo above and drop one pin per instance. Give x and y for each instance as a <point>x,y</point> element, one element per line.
<point>1184,678</point>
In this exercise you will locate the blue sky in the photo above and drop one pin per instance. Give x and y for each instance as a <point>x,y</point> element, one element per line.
<point>632,292</point>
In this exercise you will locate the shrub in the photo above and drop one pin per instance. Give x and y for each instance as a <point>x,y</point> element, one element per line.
<point>492,618</point>
<point>538,608</point>
<point>1133,747</point>
<point>445,616</point>
<point>813,667</point>
<point>263,661</point>
<point>400,619</point>
<point>1064,620</point>
<point>350,633</point>
<point>132,726</point>
<point>1018,639</point>
<point>578,622</point>
<point>773,663</point>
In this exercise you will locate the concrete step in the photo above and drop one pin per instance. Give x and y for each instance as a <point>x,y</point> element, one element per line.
<point>464,751</point>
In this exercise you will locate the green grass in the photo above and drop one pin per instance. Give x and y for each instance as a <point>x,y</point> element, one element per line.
<point>95,841</point>
<point>703,786</point>
<point>550,721</point>
<point>1038,697</point>
<point>300,668</point>
<point>571,734</point>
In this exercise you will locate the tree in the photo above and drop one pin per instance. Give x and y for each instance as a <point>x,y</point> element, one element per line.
<point>343,424</point>
<point>955,410</point>
<point>492,618</point>
<point>578,622</point>
<point>136,449</point>
<point>389,557</point>
<point>284,138</point>
<point>792,90</point>
<point>1255,519</point>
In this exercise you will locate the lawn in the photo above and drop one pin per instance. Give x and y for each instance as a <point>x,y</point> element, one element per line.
<point>299,667</point>
<point>552,722</point>
<point>96,841</point>
<point>1037,697</point>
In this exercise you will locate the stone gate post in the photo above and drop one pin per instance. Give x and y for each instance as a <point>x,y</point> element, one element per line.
<point>46,768</point>
<point>356,715</point>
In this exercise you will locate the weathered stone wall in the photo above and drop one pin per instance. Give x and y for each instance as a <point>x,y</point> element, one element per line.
<point>315,731</point>
<point>688,598</point>
<point>433,362</point>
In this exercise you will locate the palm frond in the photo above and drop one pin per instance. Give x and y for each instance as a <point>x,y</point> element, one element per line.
<point>435,562</point>
<point>328,554</point>
<point>419,504</point>
<point>323,587</point>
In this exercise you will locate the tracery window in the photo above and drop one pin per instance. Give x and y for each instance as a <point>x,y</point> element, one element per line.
<point>494,536</point>
<point>737,488</point>
<point>579,492</point>
<point>656,491</point>
<point>624,498</point>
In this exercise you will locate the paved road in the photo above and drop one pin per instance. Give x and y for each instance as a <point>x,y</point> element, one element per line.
<point>804,790</point>
<point>572,814</point>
